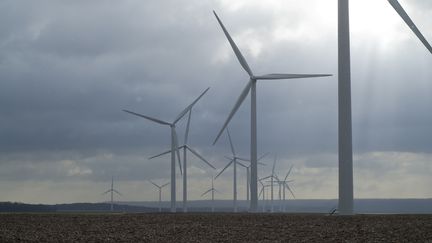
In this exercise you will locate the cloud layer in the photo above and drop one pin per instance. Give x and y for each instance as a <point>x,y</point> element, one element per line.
<point>67,69</point>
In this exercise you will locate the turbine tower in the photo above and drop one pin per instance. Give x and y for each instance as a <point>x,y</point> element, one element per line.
<point>174,144</point>
<point>346,195</point>
<point>251,86</point>
<point>112,190</point>
<point>160,193</point>
<point>186,148</point>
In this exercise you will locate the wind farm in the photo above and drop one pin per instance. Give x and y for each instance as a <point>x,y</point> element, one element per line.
<point>340,153</point>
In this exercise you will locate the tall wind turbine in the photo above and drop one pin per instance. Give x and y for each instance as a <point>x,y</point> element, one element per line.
<point>174,144</point>
<point>251,86</point>
<point>186,148</point>
<point>112,190</point>
<point>346,195</point>
<point>212,190</point>
<point>160,193</point>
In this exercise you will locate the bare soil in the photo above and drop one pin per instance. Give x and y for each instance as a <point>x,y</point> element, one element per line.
<point>220,227</point>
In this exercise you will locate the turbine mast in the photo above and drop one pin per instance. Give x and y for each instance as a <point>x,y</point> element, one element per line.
<point>346,196</point>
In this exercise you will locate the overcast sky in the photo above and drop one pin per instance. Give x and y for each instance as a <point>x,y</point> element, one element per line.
<point>68,68</point>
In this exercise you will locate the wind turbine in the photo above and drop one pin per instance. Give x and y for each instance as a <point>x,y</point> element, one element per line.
<point>234,162</point>
<point>248,172</point>
<point>160,193</point>
<point>212,190</point>
<point>251,86</point>
<point>272,177</point>
<point>112,190</point>
<point>174,144</point>
<point>262,192</point>
<point>186,148</point>
<point>346,195</point>
<point>284,184</point>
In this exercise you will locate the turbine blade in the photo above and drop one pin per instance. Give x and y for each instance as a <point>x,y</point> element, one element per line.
<point>226,166</point>
<point>289,189</point>
<point>274,165</point>
<point>243,159</point>
<point>261,191</point>
<point>217,191</point>
<point>188,108</point>
<point>106,192</point>
<point>199,156</point>
<point>234,109</point>
<point>148,118</point>
<point>265,178</point>
<point>230,141</point>
<point>399,9</point>
<point>288,172</point>
<point>236,50</point>
<point>158,155</point>
<point>177,149</point>
<point>228,158</point>
<point>242,164</point>
<point>164,185</point>
<point>263,156</point>
<point>209,190</point>
<point>289,76</point>
<point>154,184</point>
<point>117,192</point>
<point>187,127</point>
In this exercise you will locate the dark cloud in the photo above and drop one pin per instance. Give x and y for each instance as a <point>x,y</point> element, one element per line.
<point>67,69</point>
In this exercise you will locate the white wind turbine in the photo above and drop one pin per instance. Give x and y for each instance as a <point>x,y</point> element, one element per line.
<point>234,162</point>
<point>112,190</point>
<point>272,177</point>
<point>212,190</point>
<point>160,193</point>
<point>186,148</point>
<point>284,184</point>
<point>263,193</point>
<point>346,195</point>
<point>251,86</point>
<point>248,172</point>
<point>174,144</point>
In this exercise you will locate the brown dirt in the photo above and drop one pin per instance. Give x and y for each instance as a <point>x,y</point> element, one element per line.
<point>213,228</point>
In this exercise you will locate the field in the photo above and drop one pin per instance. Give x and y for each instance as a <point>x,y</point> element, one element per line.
<point>221,227</point>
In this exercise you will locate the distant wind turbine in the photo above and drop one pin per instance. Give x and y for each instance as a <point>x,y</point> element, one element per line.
<point>160,193</point>
<point>112,190</point>
<point>174,144</point>
<point>234,160</point>
<point>346,195</point>
<point>272,177</point>
<point>186,148</point>
<point>212,190</point>
<point>263,193</point>
<point>285,186</point>
<point>251,86</point>
<point>248,172</point>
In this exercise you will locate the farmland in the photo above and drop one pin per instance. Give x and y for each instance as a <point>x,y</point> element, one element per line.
<point>220,227</point>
